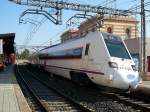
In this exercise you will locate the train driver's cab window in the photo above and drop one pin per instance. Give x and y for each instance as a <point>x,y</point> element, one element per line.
<point>115,46</point>
<point>87,49</point>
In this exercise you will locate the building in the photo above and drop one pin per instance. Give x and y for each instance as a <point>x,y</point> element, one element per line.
<point>134,48</point>
<point>7,48</point>
<point>69,34</point>
<point>124,26</point>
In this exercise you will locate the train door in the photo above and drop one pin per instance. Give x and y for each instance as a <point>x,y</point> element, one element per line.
<point>86,56</point>
<point>148,63</point>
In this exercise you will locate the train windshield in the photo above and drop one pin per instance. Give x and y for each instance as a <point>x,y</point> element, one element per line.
<point>115,46</point>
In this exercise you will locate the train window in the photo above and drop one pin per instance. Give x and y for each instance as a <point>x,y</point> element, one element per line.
<point>117,49</point>
<point>87,49</point>
<point>115,46</point>
<point>77,52</point>
<point>70,53</point>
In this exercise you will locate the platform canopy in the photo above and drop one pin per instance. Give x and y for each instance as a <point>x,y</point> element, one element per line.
<point>7,43</point>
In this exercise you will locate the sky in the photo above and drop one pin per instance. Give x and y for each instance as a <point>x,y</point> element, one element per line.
<point>48,32</point>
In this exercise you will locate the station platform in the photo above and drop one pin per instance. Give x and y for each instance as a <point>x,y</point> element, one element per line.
<point>11,96</point>
<point>144,87</point>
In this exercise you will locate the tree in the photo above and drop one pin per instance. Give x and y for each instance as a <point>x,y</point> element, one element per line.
<point>25,54</point>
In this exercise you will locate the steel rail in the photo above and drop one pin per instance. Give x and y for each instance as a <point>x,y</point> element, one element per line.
<point>82,108</point>
<point>24,82</point>
<point>127,99</point>
<point>136,102</point>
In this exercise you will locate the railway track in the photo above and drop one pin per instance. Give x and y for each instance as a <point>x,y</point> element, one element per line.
<point>33,102</point>
<point>137,102</point>
<point>47,99</point>
<point>88,97</point>
<point>128,101</point>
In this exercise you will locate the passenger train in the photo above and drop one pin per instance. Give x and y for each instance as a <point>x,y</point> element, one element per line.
<point>102,58</point>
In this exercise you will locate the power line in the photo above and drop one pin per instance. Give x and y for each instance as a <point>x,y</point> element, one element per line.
<point>57,34</point>
<point>138,7</point>
<point>34,30</point>
<point>59,5</point>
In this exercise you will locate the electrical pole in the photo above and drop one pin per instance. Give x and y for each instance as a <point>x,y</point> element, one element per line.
<point>143,40</point>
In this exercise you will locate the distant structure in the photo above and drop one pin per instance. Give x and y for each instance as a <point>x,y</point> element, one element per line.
<point>123,26</point>
<point>133,45</point>
<point>7,54</point>
<point>69,34</point>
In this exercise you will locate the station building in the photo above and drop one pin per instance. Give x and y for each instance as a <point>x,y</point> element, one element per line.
<point>69,34</point>
<point>134,48</point>
<point>124,26</point>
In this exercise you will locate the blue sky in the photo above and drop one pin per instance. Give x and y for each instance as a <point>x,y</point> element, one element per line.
<point>9,21</point>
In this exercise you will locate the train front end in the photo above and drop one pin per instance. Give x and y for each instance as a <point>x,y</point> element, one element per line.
<point>125,75</point>
<point>121,67</point>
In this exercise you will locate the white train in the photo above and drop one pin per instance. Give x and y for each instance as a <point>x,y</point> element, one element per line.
<point>102,58</point>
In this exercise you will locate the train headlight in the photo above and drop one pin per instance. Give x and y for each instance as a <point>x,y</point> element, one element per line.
<point>130,76</point>
<point>113,64</point>
<point>134,67</point>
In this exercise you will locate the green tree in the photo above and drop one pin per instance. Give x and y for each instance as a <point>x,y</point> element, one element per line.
<point>25,54</point>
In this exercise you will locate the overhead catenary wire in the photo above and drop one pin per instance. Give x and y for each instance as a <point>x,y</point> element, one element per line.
<point>59,4</point>
<point>56,34</point>
<point>34,30</point>
<point>29,37</point>
<point>138,7</point>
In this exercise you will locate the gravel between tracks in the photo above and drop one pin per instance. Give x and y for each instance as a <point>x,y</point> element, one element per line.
<point>84,95</point>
